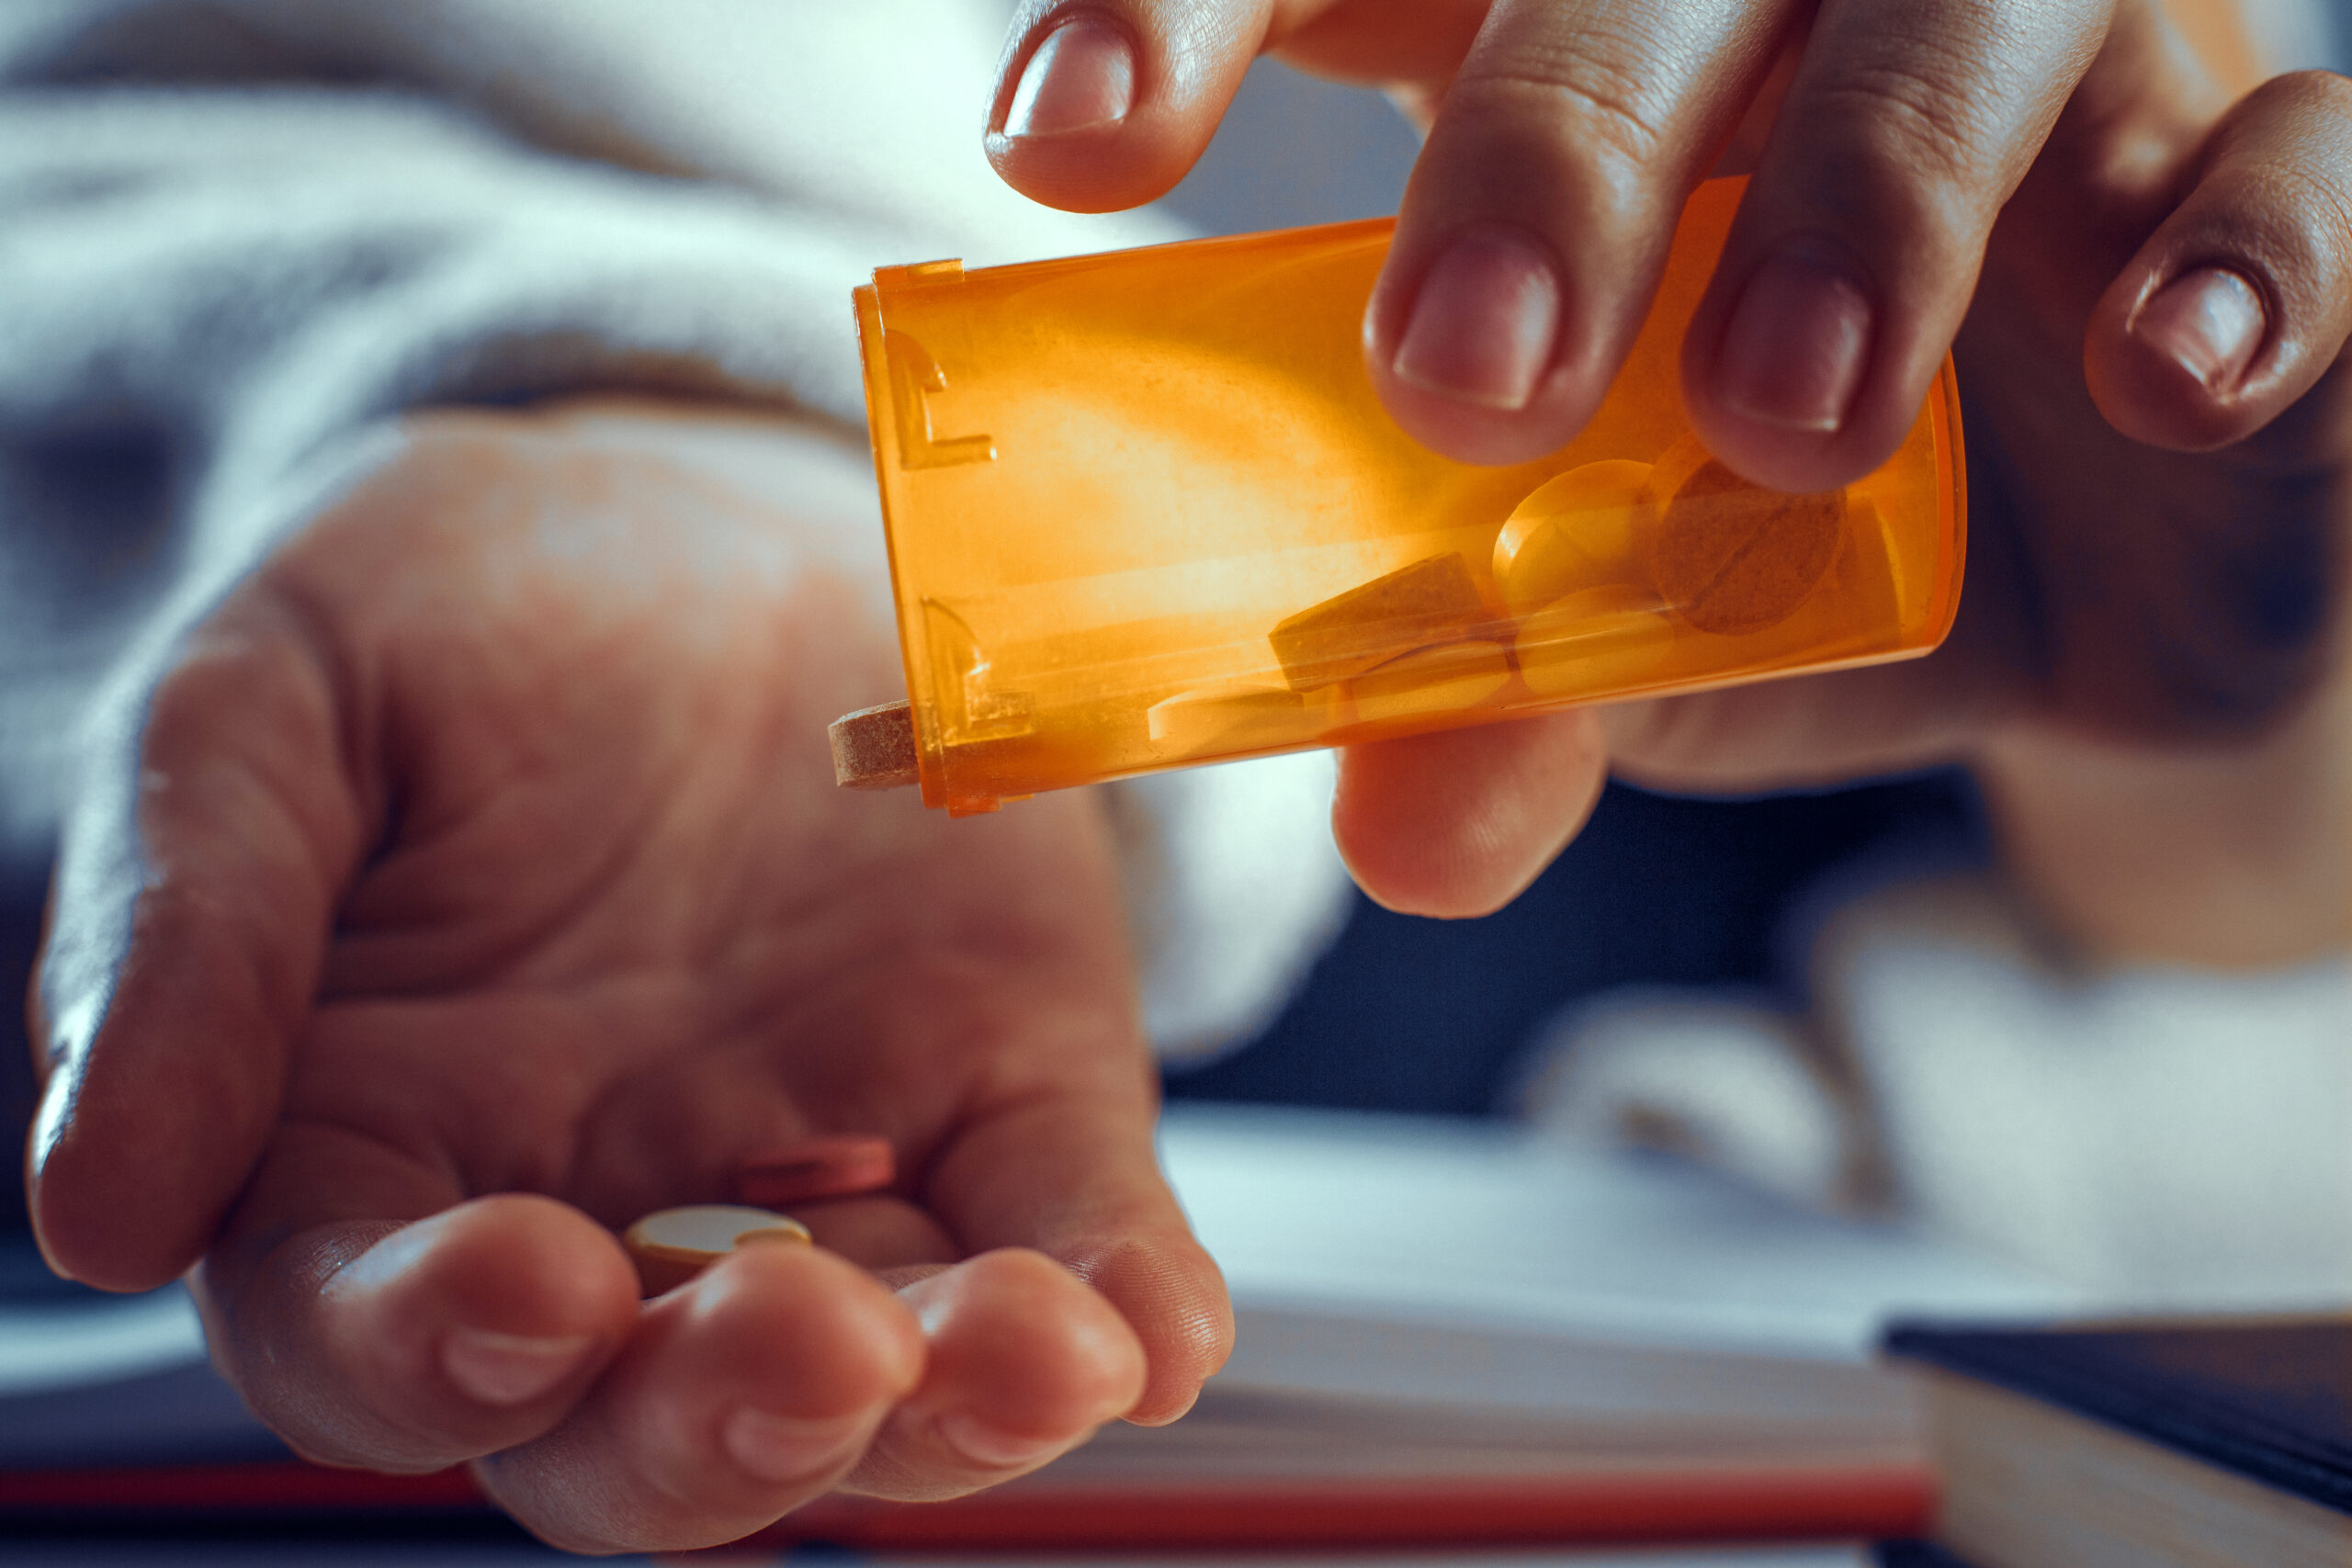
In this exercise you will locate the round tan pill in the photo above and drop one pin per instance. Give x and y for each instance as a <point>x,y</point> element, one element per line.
<point>1573,532</point>
<point>671,1246</point>
<point>1733,557</point>
<point>844,1165</point>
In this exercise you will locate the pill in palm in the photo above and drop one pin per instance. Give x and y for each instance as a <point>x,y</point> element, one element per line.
<point>669,1246</point>
<point>843,1166</point>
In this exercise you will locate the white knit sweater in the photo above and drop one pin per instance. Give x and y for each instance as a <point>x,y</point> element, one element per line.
<point>236,236</point>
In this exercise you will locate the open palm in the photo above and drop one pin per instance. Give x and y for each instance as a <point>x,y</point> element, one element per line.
<point>473,881</point>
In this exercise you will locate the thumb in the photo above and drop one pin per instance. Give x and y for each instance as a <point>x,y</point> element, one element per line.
<point>1105,105</point>
<point>1457,823</point>
<point>196,881</point>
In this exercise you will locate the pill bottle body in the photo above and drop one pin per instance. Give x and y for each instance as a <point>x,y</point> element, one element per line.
<point>1145,511</point>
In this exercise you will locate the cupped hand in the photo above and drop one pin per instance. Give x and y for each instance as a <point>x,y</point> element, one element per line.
<point>472,880</point>
<point>2143,253</point>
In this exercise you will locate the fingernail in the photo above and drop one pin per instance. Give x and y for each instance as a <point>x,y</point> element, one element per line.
<point>510,1368</point>
<point>2208,320</point>
<point>1797,342</point>
<point>990,1446</point>
<point>1083,74</point>
<point>1484,324</point>
<point>788,1447</point>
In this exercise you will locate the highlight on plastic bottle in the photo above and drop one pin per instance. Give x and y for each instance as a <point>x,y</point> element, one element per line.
<point>1145,511</point>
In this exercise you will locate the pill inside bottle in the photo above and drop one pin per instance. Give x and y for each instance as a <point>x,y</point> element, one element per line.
<point>1145,511</point>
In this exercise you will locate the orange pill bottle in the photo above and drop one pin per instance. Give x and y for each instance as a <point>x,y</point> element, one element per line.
<point>1145,511</point>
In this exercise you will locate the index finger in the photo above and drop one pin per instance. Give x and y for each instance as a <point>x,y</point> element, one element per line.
<point>1105,105</point>
<point>1535,227</point>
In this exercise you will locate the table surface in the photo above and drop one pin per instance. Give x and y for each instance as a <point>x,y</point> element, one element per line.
<point>428,1553</point>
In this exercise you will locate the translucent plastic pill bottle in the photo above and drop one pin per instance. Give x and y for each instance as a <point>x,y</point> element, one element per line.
<point>1145,511</point>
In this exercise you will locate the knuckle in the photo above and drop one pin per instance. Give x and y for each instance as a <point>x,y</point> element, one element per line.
<point>2275,192</point>
<point>2318,185</point>
<point>1578,93</point>
<point>2323,224</point>
<point>2315,92</point>
<point>1910,117</point>
<point>2288,225</point>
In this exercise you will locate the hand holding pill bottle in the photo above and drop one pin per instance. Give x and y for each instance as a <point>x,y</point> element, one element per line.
<point>1145,511</point>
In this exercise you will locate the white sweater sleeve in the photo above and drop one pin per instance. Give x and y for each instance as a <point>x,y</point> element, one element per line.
<point>236,236</point>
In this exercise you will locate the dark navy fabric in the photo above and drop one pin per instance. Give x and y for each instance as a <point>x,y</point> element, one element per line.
<point>1916,1554</point>
<point>1433,1016</point>
<point>22,884</point>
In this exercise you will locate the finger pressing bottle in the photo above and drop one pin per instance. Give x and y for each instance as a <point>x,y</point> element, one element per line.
<point>1145,511</point>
